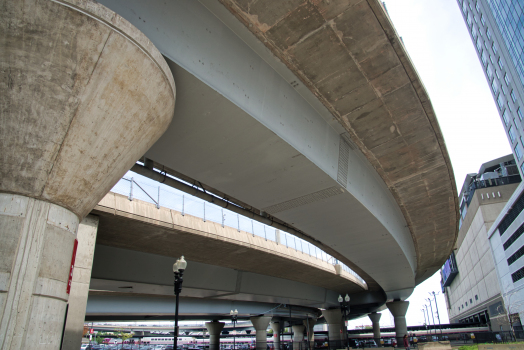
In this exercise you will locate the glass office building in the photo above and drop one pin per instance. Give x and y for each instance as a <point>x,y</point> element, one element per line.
<point>496,29</point>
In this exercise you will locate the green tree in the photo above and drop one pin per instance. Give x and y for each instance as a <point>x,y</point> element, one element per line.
<point>122,335</point>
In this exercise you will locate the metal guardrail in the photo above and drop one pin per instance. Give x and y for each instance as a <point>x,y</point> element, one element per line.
<point>171,198</point>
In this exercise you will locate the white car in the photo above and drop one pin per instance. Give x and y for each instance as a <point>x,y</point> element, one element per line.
<point>83,346</point>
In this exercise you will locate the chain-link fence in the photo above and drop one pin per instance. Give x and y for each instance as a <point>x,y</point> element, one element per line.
<point>137,187</point>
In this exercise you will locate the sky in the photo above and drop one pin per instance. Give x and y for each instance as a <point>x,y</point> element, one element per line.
<point>438,42</point>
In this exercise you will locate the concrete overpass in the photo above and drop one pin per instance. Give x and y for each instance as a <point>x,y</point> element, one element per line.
<point>308,113</point>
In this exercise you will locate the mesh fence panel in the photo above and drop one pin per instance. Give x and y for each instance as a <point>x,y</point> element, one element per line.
<point>177,200</point>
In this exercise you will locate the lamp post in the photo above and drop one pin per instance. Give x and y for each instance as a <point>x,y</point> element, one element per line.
<point>427,312</point>
<point>436,307</point>
<point>344,307</point>
<point>178,269</point>
<point>425,322</point>
<point>234,317</point>
<point>432,316</point>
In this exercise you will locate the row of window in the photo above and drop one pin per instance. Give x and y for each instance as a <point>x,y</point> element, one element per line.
<point>470,301</point>
<point>498,89</point>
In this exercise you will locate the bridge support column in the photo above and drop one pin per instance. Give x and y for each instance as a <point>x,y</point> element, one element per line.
<point>260,323</point>
<point>275,326</point>
<point>298,337</point>
<point>76,309</point>
<point>214,328</point>
<point>310,324</point>
<point>77,113</point>
<point>334,320</point>
<point>398,309</point>
<point>375,318</point>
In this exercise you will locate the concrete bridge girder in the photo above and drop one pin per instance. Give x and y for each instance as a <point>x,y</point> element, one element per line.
<point>243,129</point>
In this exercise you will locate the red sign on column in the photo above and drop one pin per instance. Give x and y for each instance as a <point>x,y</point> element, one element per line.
<point>73,257</point>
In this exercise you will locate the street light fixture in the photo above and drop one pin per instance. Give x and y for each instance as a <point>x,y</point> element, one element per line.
<point>234,317</point>
<point>344,307</point>
<point>178,269</point>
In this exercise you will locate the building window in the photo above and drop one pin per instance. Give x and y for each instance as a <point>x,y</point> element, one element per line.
<point>518,152</point>
<point>506,79</point>
<point>491,59</point>
<point>484,58</point>
<point>494,48</point>
<point>464,7</point>
<point>488,33</point>
<point>494,86</point>
<point>519,112</point>
<point>522,168</point>
<point>477,6</point>
<point>466,303</point>
<point>513,98</point>
<point>500,101</point>
<point>479,44</point>
<point>471,301</point>
<point>476,297</point>
<point>501,64</point>
<point>516,256</point>
<point>511,134</point>
<point>505,117</point>
<point>483,20</point>
<point>489,71</point>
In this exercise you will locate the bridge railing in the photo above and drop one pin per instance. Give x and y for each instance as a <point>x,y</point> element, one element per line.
<point>135,186</point>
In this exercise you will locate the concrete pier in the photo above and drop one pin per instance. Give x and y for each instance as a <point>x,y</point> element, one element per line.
<point>334,320</point>
<point>275,326</point>
<point>298,336</point>
<point>260,323</point>
<point>86,95</point>
<point>375,318</point>
<point>398,309</point>
<point>214,329</point>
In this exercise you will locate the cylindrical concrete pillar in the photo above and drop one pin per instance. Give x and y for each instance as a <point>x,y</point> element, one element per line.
<point>214,329</point>
<point>309,323</point>
<point>78,113</point>
<point>275,326</point>
<point>375,318</point>
<point>398,309</point>
<point>298,337</point>
<point>260,323</point>
<point>334,320</point>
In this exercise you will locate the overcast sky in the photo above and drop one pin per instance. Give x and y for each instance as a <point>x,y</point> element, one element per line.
<point>439,44</point>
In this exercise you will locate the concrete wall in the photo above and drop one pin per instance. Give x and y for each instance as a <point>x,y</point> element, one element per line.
<point>476,285</point>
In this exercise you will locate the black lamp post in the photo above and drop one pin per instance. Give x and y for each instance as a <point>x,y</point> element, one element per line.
<point>178,269</point>
<point>344,307</point>
<point>234,317</point>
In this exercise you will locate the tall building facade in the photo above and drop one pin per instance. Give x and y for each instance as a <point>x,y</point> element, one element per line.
<point>469,279</point>
<point>496,28</point>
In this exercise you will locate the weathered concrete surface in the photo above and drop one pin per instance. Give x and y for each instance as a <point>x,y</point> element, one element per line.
<point>138,225</point>
<point>349,55</point>
<point>74,326</point>
<point>36,245</point>
<point>83,93</point>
